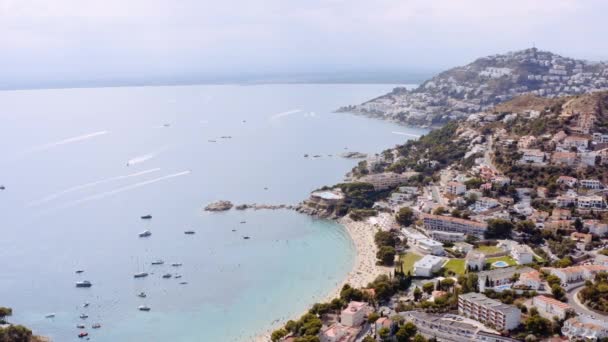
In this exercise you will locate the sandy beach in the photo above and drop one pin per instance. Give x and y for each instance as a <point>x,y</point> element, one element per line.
<point>364,269</point>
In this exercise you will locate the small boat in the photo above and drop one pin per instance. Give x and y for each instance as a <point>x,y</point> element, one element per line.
<point>79,271</point>
<point>84,283</point>
<point>176,264</point>
<point>158,262</point>
<point>178,276</point>
<point>84,316</point>
<point>51,315</point>
<point>86,304</point>
<point>211,141</point>
<point>2,187</point>
<point>167,125</point>
<point>167,276</point>
<point>83,334</point>
<point>246,237</point>
<point>145,233</point>
<point>189,232</point>
<point>96,326</point>
<point>306,156</point>
<point>146,217</point>
<point>183,283</point>
<point>243,222</point>
<point>80,326</point>
<point>234,230</point>
<point>141,295</point>
<point>140,275</point>
<point>143,308</point>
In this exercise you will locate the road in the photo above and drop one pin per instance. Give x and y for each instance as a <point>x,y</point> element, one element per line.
<point>573,301</point>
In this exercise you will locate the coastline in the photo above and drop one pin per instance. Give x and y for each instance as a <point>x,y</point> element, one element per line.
<point>363,272</point>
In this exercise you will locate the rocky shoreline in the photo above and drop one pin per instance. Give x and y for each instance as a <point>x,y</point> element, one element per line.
<point>227,205</point>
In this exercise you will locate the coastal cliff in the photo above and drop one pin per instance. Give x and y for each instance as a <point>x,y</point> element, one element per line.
<point>484,83</point>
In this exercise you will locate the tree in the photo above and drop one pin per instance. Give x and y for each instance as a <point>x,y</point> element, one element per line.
<point>406,332</point>
<point>386,255</point>
<point>578,224</point>
<point>398,319</point>
<point>278,335</point>
<point>439,211</point>
<point>447,284</point>
<point>369,339</point>
<point>499,229</point>
<point>419,338</point>
<point>383,238</point>
<point>558,292</point>
<point>384,333</point>
<point>372,317</point>
<point>428,287</point>
<point>417,294</point>
<point>4,311</point>
<point>405,216</point>
<point>349,293</point>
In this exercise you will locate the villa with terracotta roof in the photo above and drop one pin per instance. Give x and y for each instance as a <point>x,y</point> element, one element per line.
<point>529,280</point>
<point>576,274</point>
<point>567,180</point>
<point>585,327</point>
<point>339,333</point>
<point>567,158</point>
<point>549,307</point>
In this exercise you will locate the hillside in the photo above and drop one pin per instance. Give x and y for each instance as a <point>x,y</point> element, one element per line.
<point>485,83</point>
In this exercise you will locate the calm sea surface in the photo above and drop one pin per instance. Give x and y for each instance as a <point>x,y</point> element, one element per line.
<point>81,166</point>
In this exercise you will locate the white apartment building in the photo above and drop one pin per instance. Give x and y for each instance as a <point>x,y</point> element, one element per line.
<point>455,225</point>
<point>382,181</point>
<point>428,265</point>
<point>581,143</point>
<point>532,156</point>
<point>475,260</point>
<point>423,243</point>
<point>596,227</point>
<point>522,254</point>
<point>590,202</point>
<point>447,236</point>
<point>576,274</point>
<point>585,327</point>
<point>354,314</point>
<point>549,307</point>
<point>455,188</point>
<point>591,184</point>
<point>485,203</point>
<point>499,279</point>
<point>488,311</point>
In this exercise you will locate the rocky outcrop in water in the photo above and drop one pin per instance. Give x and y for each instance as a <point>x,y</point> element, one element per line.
<point>219,206</point>
<point>353,155</point>
<point>256,206</point>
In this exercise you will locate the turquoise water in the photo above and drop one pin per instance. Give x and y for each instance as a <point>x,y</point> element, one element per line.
<point>500,264</point>
<point>81,165</point>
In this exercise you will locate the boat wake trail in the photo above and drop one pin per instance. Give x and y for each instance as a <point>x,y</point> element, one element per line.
<point>140,159</point>
<point>88,185</point>
<point>407,134</point>
<point>289,112</point>
<point>123,189</point>
<point>67,141</point>
<point>145,157</point>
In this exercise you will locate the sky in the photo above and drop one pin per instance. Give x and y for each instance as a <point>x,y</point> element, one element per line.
<point>45,41</point>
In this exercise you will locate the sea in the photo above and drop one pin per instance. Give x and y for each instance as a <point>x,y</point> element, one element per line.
<point>81,166</point>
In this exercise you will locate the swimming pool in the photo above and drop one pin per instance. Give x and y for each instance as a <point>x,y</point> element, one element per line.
<point>500,264</point>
